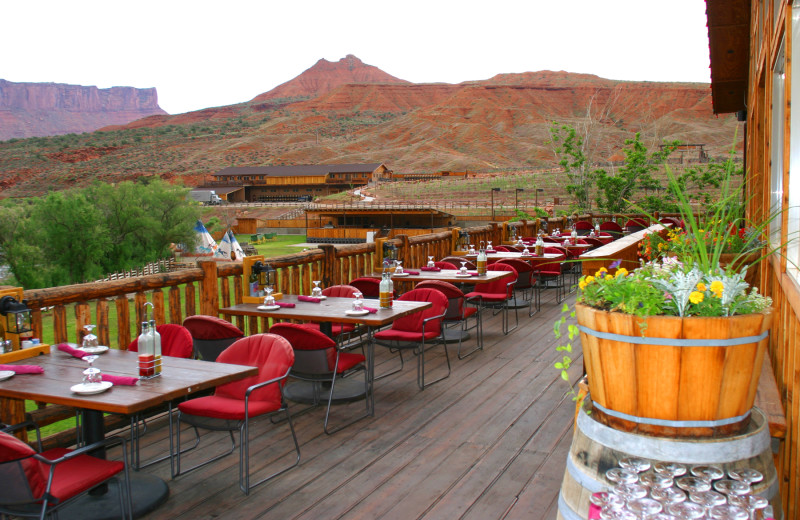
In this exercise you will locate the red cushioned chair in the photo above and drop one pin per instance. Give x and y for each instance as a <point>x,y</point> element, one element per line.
<point>583,227</point>
<point>211,335</point>
<point>526,283</point>
<point>594,242</point>
<point>176,341</point>
<point>457,314</point>
<point>37,484</point>
<point>497,295</point>
<point>318,359</point>
<point>550,273</point>
<point>445,265</point>
<point>369,287</point>
<point>344,333</point>
<point>234,404</point>
<point>635,224</point>
<point>612,228</point>
<point>414,331</point>
<point>502,249</point>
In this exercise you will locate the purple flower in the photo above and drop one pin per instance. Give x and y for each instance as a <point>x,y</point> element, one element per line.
<point>615,264</point>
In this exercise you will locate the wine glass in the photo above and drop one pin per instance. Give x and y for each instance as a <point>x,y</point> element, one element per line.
<point>621,476</point>
<point>358,303</point>
<point>269,300</point>
<point>656,480</point>
<point>732,487</point>
<point>708,472</point>
<point>751,503</point>
<point>525,251</point>
<point>463,267</point>
<point>634,464</point>
<point>663,516</point>
<point>89,340</point>
<point>398,267</point>
<point>630,491</point>
<point>607,499</point>
<point>707,499</point>
<point>489,246</point>
<point>430,262</point>
<point>688,510</point>
<point>316,292</point>
<point>668,495</point>
<point>746,475</point>
<point>609,513</point>
<point>669,468</point>
<point>728,512</point>
<point>91,375</point>
<point>472,249</point>
<point>693,484</point>
<point>644,507</point>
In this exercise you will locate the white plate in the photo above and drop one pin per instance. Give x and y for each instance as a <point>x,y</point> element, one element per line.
<point>323,297</point>
<point>463,275</point>
<point>6,374</point>
<point>351,312</point>
<point>400,274</point>
<point>100,349</point>
<point>93,388</point>
<point>268,307</point>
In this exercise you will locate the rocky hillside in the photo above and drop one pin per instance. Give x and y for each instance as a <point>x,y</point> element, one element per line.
<point>351,112</point>
<point>42,109</point>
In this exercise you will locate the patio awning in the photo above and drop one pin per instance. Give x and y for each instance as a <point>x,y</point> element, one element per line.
<point>729,50</point>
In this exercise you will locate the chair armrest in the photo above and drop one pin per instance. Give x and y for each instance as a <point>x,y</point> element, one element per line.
<point>265,383</point>
<point>25,425</point>
<point>426,320</point>
<point>104,443</point>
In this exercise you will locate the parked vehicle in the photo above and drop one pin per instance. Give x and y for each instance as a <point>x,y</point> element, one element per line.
<point>206,197</point>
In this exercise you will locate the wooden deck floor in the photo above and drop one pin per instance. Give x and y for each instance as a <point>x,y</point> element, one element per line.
<point>489,442</point>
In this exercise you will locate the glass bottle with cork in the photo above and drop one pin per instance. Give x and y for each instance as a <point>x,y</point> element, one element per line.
<point>481,262</point>
<point>386,288</point>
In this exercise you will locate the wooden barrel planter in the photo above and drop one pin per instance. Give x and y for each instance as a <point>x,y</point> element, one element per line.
<point>597,448</point>
<point>673,376</point>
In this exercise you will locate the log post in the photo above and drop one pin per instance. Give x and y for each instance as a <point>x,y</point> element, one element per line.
<point>330,273</point>
<point>209,288</point>
<point>404,250</point>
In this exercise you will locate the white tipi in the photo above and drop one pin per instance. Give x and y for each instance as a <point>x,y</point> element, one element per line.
<point>206,245</point>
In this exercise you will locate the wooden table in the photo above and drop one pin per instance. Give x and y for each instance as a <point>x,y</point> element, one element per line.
<point>327,312</point>
<point>180,377</point>
<point>500,255</point>
<point>446,275</point>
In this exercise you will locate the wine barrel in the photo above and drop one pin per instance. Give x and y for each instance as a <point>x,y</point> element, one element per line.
<point>597,448</point>
<point>673,376</point>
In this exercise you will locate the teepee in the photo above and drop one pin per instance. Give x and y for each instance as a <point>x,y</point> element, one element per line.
<point>206,245</point>
<point>235,247</point>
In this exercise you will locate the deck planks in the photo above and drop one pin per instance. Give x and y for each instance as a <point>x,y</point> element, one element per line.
<point>488,442</point>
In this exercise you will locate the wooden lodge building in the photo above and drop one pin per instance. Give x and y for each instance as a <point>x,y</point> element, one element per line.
<point>293,183</point>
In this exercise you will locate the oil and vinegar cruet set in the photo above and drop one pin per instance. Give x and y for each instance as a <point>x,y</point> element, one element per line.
<point>149,348</point>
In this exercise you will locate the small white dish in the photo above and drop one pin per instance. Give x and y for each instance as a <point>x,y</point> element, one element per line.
<point>6,374</point>
<point>268,307</point>
<point>100,349</point>
<point>91,388</point>
<point>400,274</point>
<point>323,297</point>
<point>463,275</point>
<point>351,312</point>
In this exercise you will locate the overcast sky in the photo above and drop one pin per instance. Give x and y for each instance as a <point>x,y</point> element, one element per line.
<point>200,54</point>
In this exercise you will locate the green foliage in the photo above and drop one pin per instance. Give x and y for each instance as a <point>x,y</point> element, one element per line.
<point>81,234</point>
<point>566,360</point>
<point>569,151</point>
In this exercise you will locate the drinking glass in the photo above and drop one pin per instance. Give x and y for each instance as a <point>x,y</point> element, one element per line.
<point>693,484</point>
<point>708,472</point>
<point>608,513</point>
<point>669,468</point>
<point>316,292</point>
<point>655,480</point>
<point>430,262</point>
<point>472,249</point>
<point>630,491</point>
<point>668,495</point>
<point>621,476</point>
<point>644,507</point>
<point>525,251</point>
<point>728,512</point>
<point>463,267</point>
<point>707,499</point>
<point>91,375</point>
<point>634,464</point>
<point>89,339</point>
<point>663,516</point>
<point>732,487</point>
<point>398,267</point>
<point>687,510</point>
<point>750,503</point>
<point>358,303</point>
<point>489,246</point>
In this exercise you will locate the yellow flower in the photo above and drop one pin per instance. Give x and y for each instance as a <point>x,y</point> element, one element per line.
<point>696,297</point>
<point>701,287</point>
<point>716,287</point>
<point>609,277</point>
<point>600,272</point>
<point>589,279</point>
<point>582,284</point>
<point>621,272</point>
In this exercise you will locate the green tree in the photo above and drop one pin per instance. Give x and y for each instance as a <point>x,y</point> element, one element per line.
<point>569,151</point>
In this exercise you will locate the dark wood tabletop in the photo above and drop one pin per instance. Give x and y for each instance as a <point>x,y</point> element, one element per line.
<point>179,377</point>
<point>330,310</point>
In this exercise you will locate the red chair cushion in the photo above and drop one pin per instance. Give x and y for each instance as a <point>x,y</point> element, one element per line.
<point>222,407</point>
<point>369,287</point>
<point>496,287</point>
<point>336,328</point>
<point>405,335</point>
<point>272,354</point>
<point>445,265</point>
<point>305,338</point>
<point>176,341</point>
<point>12,449</point>
<point>348,360</point>
<point>82,473</point>
<point>211,327</point>
<point>413,322</point>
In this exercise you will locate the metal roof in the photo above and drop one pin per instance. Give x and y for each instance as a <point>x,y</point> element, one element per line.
<point>297,170</point>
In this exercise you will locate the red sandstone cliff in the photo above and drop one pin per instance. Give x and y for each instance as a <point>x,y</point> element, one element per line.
<point>41,109</point>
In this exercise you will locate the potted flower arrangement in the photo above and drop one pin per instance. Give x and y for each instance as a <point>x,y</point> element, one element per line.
<point>676,346</point>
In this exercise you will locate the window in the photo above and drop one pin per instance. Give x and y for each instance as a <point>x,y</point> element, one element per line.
<point>776,148</point>
<point>793,226</point>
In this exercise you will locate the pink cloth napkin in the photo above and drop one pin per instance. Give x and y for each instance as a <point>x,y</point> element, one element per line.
<point>434,269</point>
<point>63,347</point>
<point>23,369</point>
<point>121,380</point>
<point>473,273</point>
<point>594,512</point>
<point>491,251</point>
<point>371,310</point>
<point>286,305</point>
<point>411,271</point>
<point>304,298</point>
